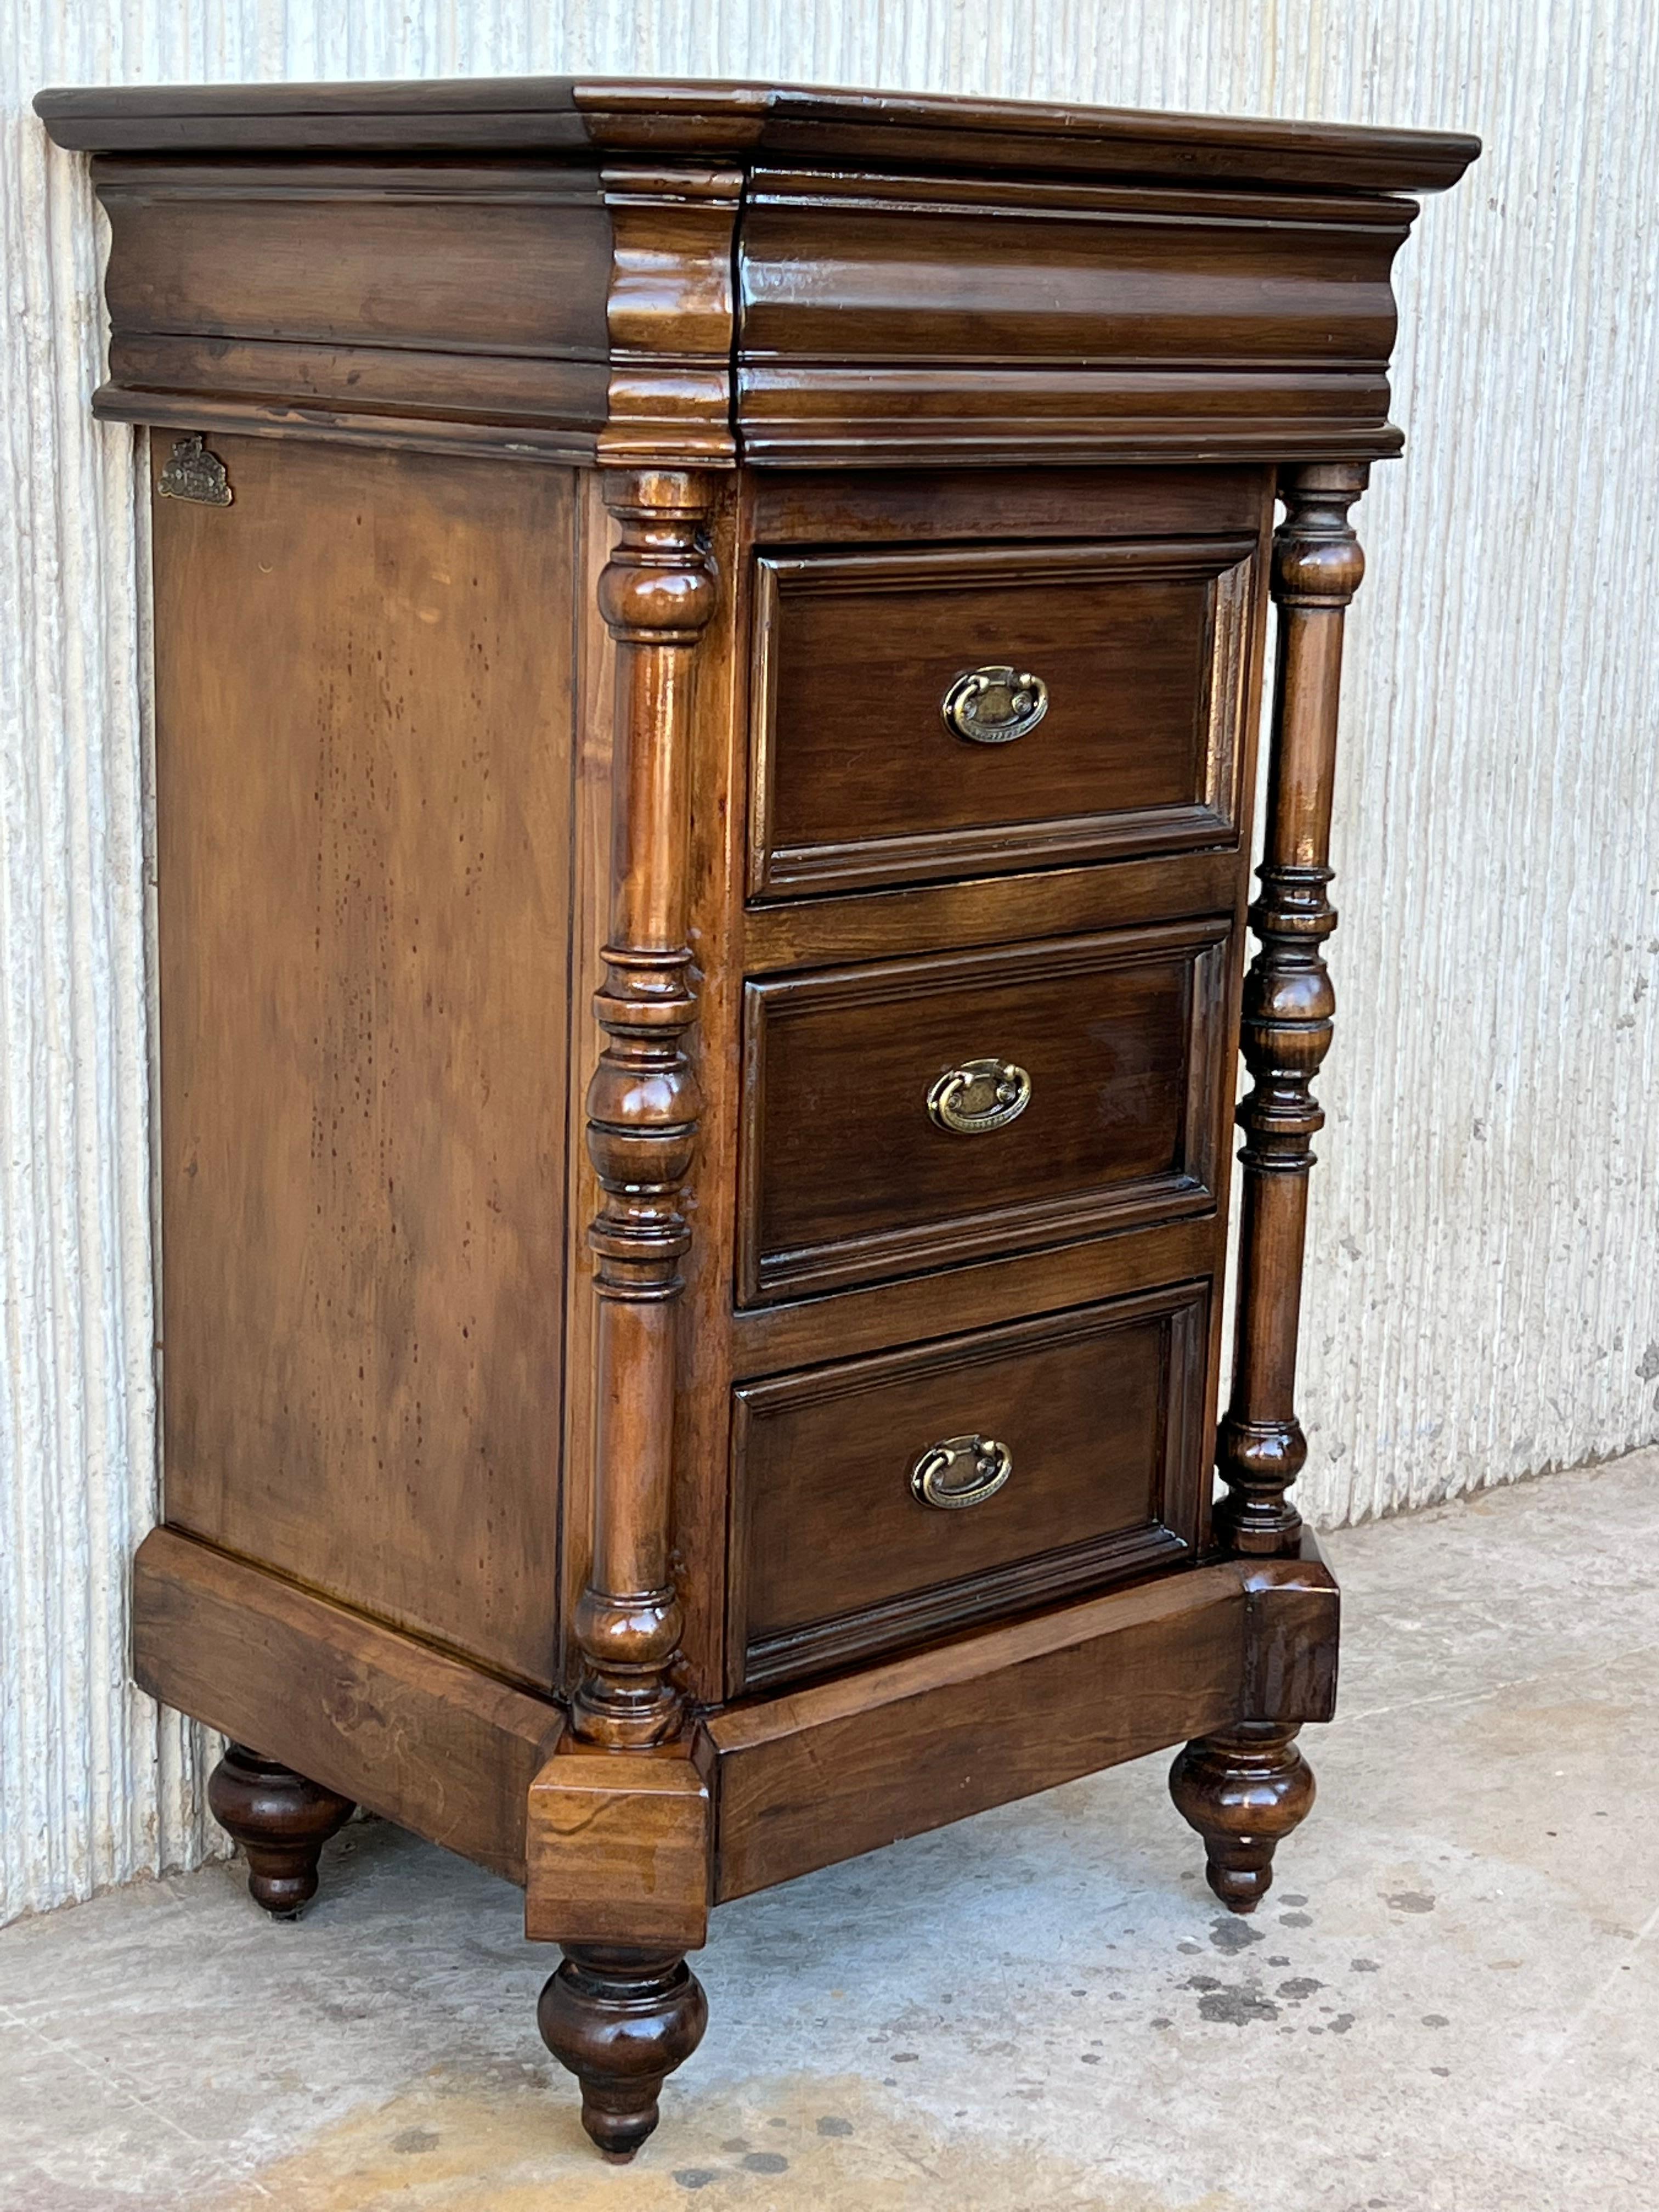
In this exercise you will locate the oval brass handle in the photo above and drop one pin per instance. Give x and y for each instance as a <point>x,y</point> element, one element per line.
<point>995,706</point>
<point>961,1471</point>
<point>979,1096</point>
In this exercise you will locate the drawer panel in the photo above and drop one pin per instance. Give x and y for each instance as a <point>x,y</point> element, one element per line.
<point>861,778</point>
<point>851,1172</point>
<point>1091,1420</point>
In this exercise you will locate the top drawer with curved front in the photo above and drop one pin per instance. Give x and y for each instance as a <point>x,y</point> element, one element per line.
<point>937,711</point>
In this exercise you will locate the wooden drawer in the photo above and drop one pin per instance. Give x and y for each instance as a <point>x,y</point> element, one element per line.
<point>848,1176</point>
<point>1097,1417</point>
<point>858,777</point>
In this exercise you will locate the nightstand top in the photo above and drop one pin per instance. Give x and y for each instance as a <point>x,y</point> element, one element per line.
<point>739,121</point>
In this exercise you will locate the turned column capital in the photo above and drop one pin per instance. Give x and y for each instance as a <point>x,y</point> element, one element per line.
<point>658,586</point>
<point>1317,561</point>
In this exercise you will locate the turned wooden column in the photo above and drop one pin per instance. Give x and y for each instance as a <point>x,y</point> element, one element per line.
<point>1245,1788</point>
<point>656,594</point>
<point>1286,1028</point>
<point>621,2017</point>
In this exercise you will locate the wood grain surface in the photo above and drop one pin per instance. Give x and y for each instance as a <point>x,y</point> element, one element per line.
<point>1099,1411</point>
<point>859,780</point>
<point>363,775</point>
<point>847,1179</point>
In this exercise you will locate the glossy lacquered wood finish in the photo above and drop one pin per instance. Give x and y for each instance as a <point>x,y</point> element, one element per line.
<point>621,2020</point>
<point>1244,1789</point>
<point>705,735</point>
<point>1140,318</point>
<point>1288,1004</point>
<point>520,114</point>
<point>656,594</point>
<point>1182,286</point>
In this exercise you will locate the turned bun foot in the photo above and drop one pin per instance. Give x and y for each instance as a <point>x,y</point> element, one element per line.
<point>1243,1790</point>
<point>281,1822</point>
<point>622,2020</point>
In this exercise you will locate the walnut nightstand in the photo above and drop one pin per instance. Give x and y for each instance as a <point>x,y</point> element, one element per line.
<point>708,644</point>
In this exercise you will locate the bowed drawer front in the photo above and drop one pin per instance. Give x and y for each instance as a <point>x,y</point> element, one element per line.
<point>927,712</point>
<point>881,1500</point>
<point>900,1114</point>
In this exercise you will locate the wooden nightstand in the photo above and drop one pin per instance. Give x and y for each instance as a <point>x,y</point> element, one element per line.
<point>795,565</point>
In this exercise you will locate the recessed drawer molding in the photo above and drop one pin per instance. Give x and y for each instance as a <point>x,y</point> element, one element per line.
<point>1070,1452</point>
<point>921,712</point>
<point>1103,1108</point>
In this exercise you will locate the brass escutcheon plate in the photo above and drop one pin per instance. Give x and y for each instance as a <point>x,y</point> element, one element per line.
<point>191,472</point>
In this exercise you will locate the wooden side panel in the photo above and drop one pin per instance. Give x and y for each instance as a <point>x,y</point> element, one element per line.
<point>428,1742</point>
<point>822,1775</point>
<point>593,743</point>
<point>510,261</point>
<point>364,774</point>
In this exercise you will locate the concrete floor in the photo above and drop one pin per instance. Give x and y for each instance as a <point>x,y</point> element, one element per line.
<point>1450,1999</point>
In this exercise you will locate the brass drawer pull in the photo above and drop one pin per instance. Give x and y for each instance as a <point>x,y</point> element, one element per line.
<point>995,706</point>
<point>961,1471</point>
<point>979,1096</point>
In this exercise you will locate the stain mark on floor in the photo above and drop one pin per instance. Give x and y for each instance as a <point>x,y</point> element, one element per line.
<point>1237,2007</point>
<point>1231,1935</point>
<point>509,2146</point>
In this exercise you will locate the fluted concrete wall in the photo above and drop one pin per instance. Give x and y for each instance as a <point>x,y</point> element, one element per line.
<point>1483,1301</point>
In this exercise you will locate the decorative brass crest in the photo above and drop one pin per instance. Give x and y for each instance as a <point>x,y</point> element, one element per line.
<point>961,1471</point>
<point>995,706</point>
<point>193,473</point>
<point>979,1096</point>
